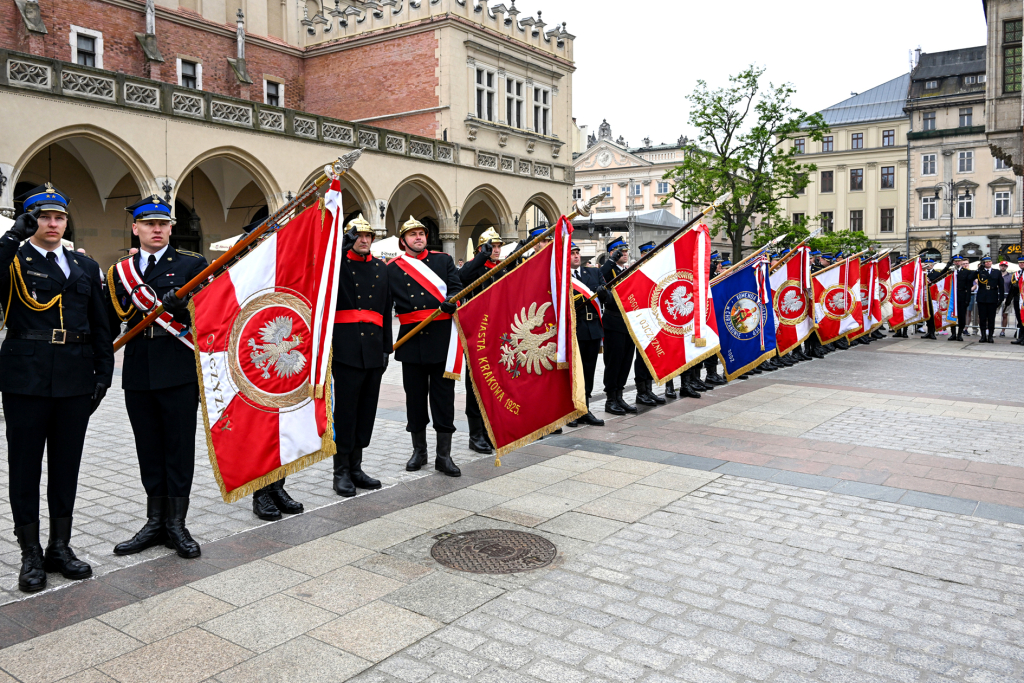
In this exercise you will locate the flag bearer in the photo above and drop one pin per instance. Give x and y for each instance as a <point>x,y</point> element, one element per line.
<point>55,366</point>
<point>421,282</point>
<point>618,345</point>
<point>641,375</point>
<point>362,346</point>
<point>161,387</point>
<point>589,330</point>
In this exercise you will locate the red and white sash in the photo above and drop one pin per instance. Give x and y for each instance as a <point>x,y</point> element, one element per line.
<point>437,288</point>
<point>144,300</point>
<point>581,288</point>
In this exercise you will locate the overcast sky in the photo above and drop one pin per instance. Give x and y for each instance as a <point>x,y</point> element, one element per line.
<point>637,60</point>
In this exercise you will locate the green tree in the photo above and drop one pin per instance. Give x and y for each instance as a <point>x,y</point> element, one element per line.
<point>741,131</point>
<point>845,241</point>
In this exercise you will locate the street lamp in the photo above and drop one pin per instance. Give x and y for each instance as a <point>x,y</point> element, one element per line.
<point>951,199</point>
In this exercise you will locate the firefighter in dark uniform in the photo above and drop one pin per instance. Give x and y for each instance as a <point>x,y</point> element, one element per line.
<point>712,378</point>
<point>425,355</point>
<point>161,387</point>
<point>362,346</point>
<point>641,374</point>
<point>589,330</point>
<point>964,285</point>
<point>618,345</point>
<point>812,345</point>
<point>988,297</point>
<point>55,366</point>
<point>487,256</point>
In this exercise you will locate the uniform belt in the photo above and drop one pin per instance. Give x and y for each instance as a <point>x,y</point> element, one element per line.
<point>52,336</point>
<point>416,317</point>
<point>154,331</point>
<point>352,315</point>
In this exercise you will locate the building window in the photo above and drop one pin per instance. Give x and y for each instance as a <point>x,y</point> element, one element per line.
<point>273,93</point>
<point>542,111</point>
<point>856,179</point>
<point>1001,165</point>
<point>888,138</point>
<point>607,189</point>
<point>965,206</point>
<point>86,47</point>
<point>1002,203</point>
<point>485,94</point>
<point>965,162</point>
<point>826,143</point>
<point>857,221</point>
<point>798,218</point>
<point>827,184</point>
<point>828,222</point>
<point>966,116</point>
<point>969,80</point>
<point>888,220</point>
<point>888,177</point>
<point>1012,31</point>
<point>927,208</point>
<point>981,78</point>
<point>634,190</point>
<point>577,193</point>
<point>190,74</point>
<point>514,103</point>
<point>927,164</point>
<point>799,144</point>
<point>857,141</point>
<point>928,119</point>
<point>663,188</point>
<point>931,85</point>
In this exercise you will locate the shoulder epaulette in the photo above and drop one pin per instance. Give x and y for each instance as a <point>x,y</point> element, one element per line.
<point>189,253</point>
<point>126,256</point>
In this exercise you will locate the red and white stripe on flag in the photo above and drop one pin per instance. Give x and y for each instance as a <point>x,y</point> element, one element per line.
<point>835,301</point>
<point>667,306</point>
<point>883,272</point>
<point>858,304</point>
<point>262,342</point>
<point>870,305</point>
<point>794,316</point>
<point>906,295</point>
<point>942,295</point>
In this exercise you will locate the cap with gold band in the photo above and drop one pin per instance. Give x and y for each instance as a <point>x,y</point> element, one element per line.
<point>45,198</point>
<point>411,224</point>
<point>489,235</point>
<point>150,209</point>
<point>359,224</point>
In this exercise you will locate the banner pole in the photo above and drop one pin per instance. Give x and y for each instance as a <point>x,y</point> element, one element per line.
<point>339,167</point>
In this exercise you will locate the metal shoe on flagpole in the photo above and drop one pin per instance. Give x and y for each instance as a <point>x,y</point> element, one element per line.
<point>275,221</point>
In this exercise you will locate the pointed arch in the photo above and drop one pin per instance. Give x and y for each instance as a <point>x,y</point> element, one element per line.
<point>261,175</point>
<point>545,203</point>
<point>493,197</point>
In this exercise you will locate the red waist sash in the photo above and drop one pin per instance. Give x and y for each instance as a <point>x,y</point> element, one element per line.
<point>417,317</point>
<point>353,316</point>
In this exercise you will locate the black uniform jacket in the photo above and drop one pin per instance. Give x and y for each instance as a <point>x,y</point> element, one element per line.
<point>475,269</point>
<point>429,345</point>
<point>588,324</point>
<point>39,368</point>
<point>158,362</point>
<point>612,316</point>
<point>363,288</point>
<point>990,286</point>
<point>964,283</point>
<point>936,275</point>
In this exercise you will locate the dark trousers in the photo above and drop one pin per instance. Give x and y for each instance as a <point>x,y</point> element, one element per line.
<point>35,423</point>
<point>962,305</point>
<point>711,364</point>
<point>640,371</point>
<point>987,317</point>
<point>355,405</point>
<point>164,423</point>
<point>425,383</point>
<point>618,355</point>
<point>589,350</point>
<point>472,405</point>
<point>1015,301</point>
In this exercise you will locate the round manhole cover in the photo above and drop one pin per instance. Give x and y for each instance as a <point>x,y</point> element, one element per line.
<point>493,551</point>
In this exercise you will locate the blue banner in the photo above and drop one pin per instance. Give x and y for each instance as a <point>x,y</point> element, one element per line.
<point>746,318</point>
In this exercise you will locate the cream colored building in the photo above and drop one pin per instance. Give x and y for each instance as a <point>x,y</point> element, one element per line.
<point>463,111</point>
<point>1004,65</point>
<point>954,179</point>
<point>861,180</point>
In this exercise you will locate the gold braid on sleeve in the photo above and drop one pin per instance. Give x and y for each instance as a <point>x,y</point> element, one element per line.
<point>121,313</point>
<point>27,299</point>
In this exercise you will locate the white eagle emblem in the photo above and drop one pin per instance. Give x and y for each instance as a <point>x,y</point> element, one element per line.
<point>838,301</point>
<point>791,303</point>
<point>277,350</point>
<point>901,296</point>
<point>680,303</point>
<point>524,348</point>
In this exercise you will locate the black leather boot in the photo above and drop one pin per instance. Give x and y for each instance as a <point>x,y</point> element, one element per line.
<point>282,500</point>
<point>686,386</point>
<point>643,393</point>
<point>263,505</point>
<point>590,418</point>
<point>698,384</point>
<point>660,400</point>
<point>419,451</point>
<point>443,462</point>
<point>478,436</point>
<point>756,370</point>
<point>628,407</point>
<point>715,379</point>
<point>611,404</point>
<point>356,474</point>
<point>670,390</point>
<point>843,344</point>
<point>32,577</point>
<point>152,532</point>
<point>59,556</point>
<point>178,536</point>
<point>343,485</point>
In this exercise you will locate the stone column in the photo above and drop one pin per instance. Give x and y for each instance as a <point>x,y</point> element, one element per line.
<point>449,233</point>
<point>507,231</point>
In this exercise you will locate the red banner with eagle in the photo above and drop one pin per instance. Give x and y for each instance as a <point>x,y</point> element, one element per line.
<point>907,295</point>
<point>519,336</point>
<point>791,288</point>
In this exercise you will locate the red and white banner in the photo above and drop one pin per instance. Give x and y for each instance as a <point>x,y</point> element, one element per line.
<point>907,295</point>
<point>144,299</point>
<point>520,348</point>
<point>870,305</point>
<point>883,274</point>
<point>858,304</point>
<point>836,300</point>
<point>942,294</point>
<point>438,289</point>
<point>791,287</point>
<point>667,306</point>
<point>263,346</point>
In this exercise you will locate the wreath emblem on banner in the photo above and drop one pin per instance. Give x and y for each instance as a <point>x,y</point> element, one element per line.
<point>790,303</point>
<point>902,295</point>
<point>837,302</point>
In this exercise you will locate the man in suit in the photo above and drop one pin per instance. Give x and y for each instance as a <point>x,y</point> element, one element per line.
<point>989,295</point>
<point>421,282</point>
<point>55,366</point>
<point>161,387</point>
<point>618,345</point>
<point>964,280</point>
<point>362,345</point>
<point>589,330</point>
